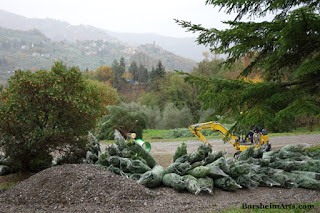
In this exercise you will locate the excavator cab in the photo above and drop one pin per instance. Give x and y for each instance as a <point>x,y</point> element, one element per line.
<point>258,136</point>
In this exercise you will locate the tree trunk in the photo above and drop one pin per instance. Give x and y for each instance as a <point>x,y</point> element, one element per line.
<point>311,124</point>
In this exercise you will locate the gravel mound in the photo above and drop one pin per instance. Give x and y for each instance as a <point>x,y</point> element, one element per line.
<point>78,188</point>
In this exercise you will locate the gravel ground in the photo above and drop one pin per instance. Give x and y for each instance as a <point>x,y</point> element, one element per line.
<point>86,188</point>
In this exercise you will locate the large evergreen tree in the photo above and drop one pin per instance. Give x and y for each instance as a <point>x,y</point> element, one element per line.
<point>133,69</point>
<point>152,74</point>
<point>119,70</point>
<point>116,71</point>
<point>285,51</point>
<point>143,74</point>
<point>159,72</point>
<point>122,68</point>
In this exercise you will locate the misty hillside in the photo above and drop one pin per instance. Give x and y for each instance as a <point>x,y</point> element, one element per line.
<point>53,29</point>
<point>33,50</point>
<point>59,30</point>
<point>186,47</point>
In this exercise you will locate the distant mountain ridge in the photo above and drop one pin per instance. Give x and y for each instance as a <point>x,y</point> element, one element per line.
<point>53,29</point>
<point>60,30</point>
<point>32,50</point>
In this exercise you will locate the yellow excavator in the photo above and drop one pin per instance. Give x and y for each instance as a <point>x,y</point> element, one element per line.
<point>257,137</point>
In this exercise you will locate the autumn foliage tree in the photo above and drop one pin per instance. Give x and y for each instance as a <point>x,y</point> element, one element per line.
<point>105,74</point>
<point>107,94</point>
<point>45,111</point>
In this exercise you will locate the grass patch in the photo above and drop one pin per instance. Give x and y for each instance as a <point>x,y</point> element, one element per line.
<point>313,149</point>
<point>298,131</point>
<point>154,135</point>
<point>9,181</point>
<point>293,133</point>
<point>148,134</point>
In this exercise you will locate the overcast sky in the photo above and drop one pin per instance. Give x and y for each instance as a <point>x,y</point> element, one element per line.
<point>138,16</point>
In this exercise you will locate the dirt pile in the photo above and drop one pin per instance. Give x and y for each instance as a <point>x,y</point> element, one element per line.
<point>78,186</point>
<point>87,188</point>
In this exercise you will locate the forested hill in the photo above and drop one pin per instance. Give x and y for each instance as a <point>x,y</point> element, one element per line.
<point>63,31</point>
<point>33,50</point>
<point>186,47</point>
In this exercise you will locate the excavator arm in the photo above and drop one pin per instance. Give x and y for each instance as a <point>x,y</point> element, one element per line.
<point>195,129</point>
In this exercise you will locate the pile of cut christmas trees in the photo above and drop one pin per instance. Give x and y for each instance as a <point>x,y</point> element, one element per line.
<point>203,169</point>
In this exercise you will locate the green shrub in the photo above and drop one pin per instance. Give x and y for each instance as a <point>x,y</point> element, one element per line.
<point>179,133</point>
<point>152,112</point>
<point>180,151</point>
<point>154,116</point>
<point>205,114</point>
<point>169,118</point>
<point>122,120</point>
<point>40,163</point>
<point>44,111</point>
<point>186,133</point>
<point>313,152</point>
<point>172,117</point>
<point>74,154</point>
